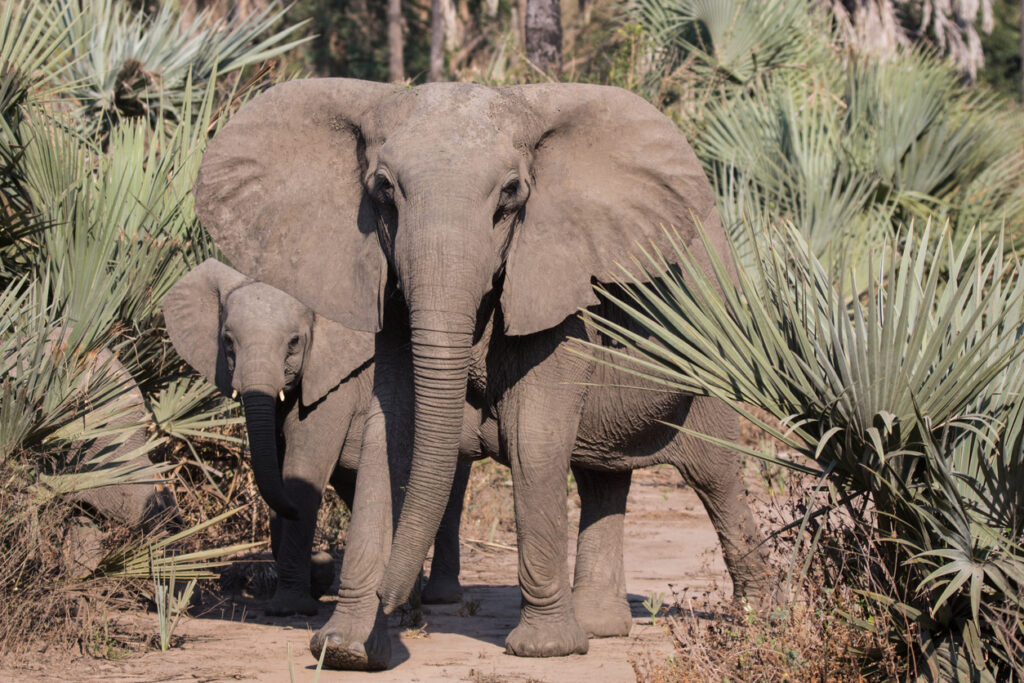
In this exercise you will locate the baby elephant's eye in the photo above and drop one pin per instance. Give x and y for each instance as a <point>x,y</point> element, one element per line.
<point>229,344</point>
<point>293,344</point>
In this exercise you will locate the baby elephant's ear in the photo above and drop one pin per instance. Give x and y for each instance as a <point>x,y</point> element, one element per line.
<point>192,312</point>
<point>280,190</point>
<point>335,354</point>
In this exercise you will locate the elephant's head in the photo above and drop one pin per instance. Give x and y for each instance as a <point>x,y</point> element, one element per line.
<point>328,188</point>
<point>254,340</point>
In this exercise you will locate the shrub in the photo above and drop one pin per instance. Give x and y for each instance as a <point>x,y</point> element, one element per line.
<point>792,123</point>
<point>104,114</point>
<point>907,397</point>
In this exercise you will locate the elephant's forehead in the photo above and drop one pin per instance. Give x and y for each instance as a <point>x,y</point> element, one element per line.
<point>442,116</point>
<point>464,100</point>
<point>258,301</point>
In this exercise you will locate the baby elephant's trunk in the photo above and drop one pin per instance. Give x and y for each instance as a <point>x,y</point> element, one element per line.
<point>260,422</point>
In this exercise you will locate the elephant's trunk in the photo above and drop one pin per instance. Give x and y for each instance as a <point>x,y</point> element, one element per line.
<point>260,421</point>
<point>441,349</point>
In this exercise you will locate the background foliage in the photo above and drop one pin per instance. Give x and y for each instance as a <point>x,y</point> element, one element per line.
<point>104,114</point>
<point>874,205</point>
<point>875,200</point>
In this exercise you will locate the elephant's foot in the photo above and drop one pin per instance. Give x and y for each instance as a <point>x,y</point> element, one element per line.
<point>288,601</point>
<point>321,573</point>
<point>356,637</point>
<point>600,614</point>
<point>441,589</point>
<point>554,635</point>
<point>759,594</point>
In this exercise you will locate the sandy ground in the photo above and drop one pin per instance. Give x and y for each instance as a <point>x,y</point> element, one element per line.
<point>671,548</point>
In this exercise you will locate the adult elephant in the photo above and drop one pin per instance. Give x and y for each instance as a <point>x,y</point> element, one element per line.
<point>467,225</point>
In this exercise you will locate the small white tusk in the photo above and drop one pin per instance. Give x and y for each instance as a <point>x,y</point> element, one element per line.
<point>234,393</point>
<point>281,395</point>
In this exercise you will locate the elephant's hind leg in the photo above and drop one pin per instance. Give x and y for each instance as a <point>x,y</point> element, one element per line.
<point>599,586</point>
<point>716,475</point>
<point>443,586</point>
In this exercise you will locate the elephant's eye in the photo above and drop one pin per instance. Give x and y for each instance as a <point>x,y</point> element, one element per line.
<point>510,190</point>
<point>229,344</point>
<point>383,189</point>
<point>510,199</point>
<point>293,344</point>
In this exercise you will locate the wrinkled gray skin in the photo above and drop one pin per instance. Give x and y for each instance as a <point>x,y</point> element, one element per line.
<point>251,338</point>
<point>466,225</point>
<point>139,506</point>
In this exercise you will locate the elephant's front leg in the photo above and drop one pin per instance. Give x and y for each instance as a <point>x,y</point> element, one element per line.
<point>356,636</point>
<point>311,452</point>
<point>538,423</point>
<point>321,571</point>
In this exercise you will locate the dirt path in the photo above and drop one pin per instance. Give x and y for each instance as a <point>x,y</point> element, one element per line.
<point>670,545</point>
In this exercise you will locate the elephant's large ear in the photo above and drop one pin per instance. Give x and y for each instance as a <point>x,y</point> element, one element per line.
<point>608,171</point>
<point>335,352</point>
<point>280,191</point>
<point>192,311</point>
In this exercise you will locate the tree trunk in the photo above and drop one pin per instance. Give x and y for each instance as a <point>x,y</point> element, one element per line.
<point>520,22</point>
<point>544,34</point>
<point>396,44</point>
<point>436,72</point>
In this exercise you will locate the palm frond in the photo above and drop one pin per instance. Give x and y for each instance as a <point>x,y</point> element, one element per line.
<point>125,64</point>
<point>152,557</point>
<point>909,393</point>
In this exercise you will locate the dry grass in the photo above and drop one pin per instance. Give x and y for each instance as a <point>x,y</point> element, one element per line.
<point>811,635</point>
<point>813,642</point>
<point>47,606</point>
<point>32,565</point>
<point>488,510</point>
<point>816,631</point>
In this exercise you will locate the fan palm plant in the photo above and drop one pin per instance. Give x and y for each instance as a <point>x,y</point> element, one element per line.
<point>96,224</point>
<point>908,396</point>
<point>30,45</point>
<point>791,122</point>
<point>723,46</point>
<point>125,63</point>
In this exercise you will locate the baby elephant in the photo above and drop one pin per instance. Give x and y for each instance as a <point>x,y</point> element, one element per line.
<point>305,383</point>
